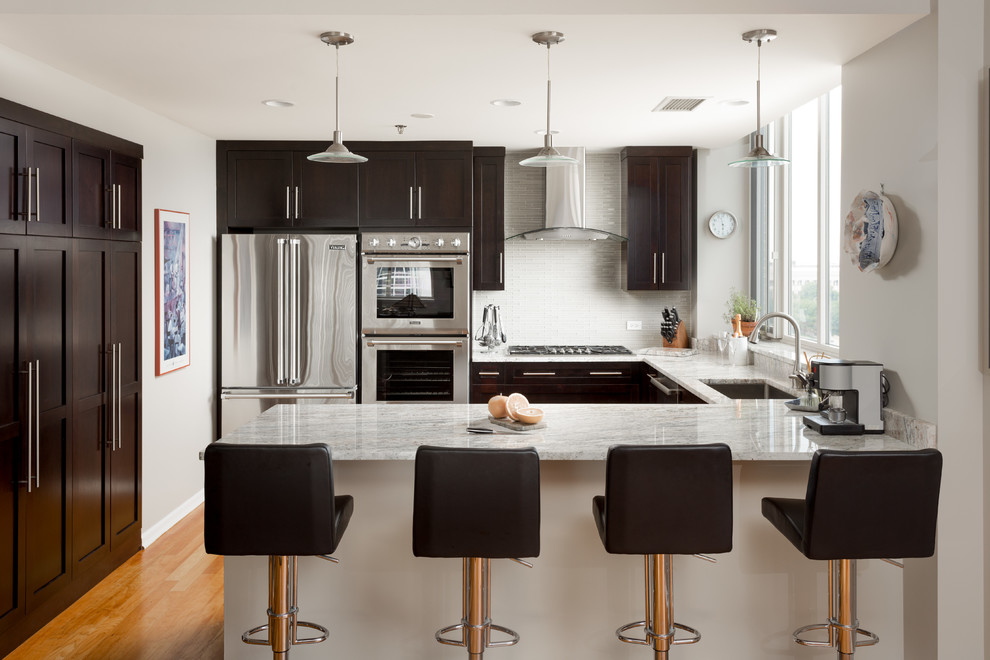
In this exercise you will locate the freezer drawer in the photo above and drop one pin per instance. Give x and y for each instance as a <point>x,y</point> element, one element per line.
<point>240,406</point>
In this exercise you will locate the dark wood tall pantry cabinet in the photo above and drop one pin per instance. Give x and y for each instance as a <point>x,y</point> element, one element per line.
<point>70,378</point>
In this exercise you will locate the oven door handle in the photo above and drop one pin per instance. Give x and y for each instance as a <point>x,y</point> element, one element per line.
<point>417,342</point>
<point>458,260</point>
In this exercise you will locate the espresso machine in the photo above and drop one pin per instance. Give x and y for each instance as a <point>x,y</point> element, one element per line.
<point>852,393</point>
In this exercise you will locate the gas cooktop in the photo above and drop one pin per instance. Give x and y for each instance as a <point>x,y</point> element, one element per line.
<point>569,350</point>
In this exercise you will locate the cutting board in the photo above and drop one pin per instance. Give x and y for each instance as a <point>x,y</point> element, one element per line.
<point>517,426</point>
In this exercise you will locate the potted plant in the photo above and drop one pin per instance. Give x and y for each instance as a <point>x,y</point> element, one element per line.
<point>746,307</point>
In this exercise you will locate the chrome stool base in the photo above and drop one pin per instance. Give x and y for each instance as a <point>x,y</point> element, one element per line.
<point>476,625</point>
<point>282,626</point>
<point>842,626</point>
<point>659,611</point>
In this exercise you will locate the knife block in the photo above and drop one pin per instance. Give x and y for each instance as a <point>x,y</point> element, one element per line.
<point>680,338</point>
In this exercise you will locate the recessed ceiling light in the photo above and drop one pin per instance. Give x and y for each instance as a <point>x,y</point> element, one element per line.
<point>422,115</point>
<point>734,102</point>
<point>277,103</point>
<point>506,103</point>
<point>543,131</point>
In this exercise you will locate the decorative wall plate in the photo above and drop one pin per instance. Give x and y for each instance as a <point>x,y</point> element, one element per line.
<point>869,233</point>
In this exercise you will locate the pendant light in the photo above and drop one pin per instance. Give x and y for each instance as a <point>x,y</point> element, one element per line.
<point>759,156</point>
<point>548,156</point>
<point>337,152</point>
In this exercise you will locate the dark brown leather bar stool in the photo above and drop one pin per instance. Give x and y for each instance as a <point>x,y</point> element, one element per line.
<point>275,500</point>
<point>859,505</point>
<point>661,501</point>
<point>477,504</point>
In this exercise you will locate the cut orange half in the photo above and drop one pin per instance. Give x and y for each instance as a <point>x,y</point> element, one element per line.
<point>514,403</point>
<point>529,415</point>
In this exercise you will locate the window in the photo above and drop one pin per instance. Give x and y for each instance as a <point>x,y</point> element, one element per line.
<point>797,221</point>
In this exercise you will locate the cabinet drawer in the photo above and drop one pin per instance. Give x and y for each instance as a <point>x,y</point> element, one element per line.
<point>564,372</point>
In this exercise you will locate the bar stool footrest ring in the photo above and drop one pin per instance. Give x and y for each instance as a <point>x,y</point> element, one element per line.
<point>693,639</point>
<point>873,638</point>
<point>439,635</point>
<point>246,637</point>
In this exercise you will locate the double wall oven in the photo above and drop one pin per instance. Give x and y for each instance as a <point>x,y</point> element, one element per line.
<point>415,313</point>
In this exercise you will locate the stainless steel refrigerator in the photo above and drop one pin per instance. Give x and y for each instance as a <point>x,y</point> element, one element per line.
<point>288,322</point>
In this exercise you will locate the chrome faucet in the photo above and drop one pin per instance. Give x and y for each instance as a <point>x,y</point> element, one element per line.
<point>754,338</point>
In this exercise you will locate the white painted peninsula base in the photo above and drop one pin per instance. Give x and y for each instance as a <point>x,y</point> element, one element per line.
<point>381,602</point>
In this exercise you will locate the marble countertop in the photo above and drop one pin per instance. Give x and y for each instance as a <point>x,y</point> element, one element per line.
<point>756,430</point>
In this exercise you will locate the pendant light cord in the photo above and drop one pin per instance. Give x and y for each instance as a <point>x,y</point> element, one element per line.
<point>336,109</point>
<point>547,141</point>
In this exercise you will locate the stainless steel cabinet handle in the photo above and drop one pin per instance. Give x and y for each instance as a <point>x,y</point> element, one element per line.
<point>28,216</point>
<point>663,267</point>
<point>112,397</point>
<point>604,373</point>
<point>488,373</point>
<point>539,373</point>
<point>294,324</point>
<point>120,206</point>
<point>30,419</point>
<point>297,203</point>
<point>288,210</point>
<point>280,320</point>
<point>411,203</point>
<point>230,396</point>
<point>37,423</point>
<point>120,361</point>
<point>654,267</point>
<point>113,205</point>
<point>501,268</point>
<point>418,257</point>
<point>37,194</point>
<point>419,202</point>
<point>416,342</point>
<point>657,383</point>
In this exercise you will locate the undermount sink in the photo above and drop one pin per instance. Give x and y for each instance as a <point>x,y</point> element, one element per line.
<point>750,390</point>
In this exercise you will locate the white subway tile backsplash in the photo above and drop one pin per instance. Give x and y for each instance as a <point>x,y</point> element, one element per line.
<point>561,292</point>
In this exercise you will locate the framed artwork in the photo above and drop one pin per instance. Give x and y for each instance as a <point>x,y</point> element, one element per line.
<point>171,291</point>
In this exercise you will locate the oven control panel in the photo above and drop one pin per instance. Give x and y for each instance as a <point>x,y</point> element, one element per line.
<point>429,242</point>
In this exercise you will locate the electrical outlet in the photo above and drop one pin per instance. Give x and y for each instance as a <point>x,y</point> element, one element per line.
<point>634,325</point>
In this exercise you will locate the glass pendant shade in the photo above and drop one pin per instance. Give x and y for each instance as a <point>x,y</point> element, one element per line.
<point>336,152</point>
<point>759,157</point>
<point>548,157</point>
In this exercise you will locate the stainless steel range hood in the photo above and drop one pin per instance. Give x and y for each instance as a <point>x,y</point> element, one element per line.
<point>565,217</point>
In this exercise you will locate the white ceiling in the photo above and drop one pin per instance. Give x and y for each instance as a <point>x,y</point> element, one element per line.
<point>208,66</point>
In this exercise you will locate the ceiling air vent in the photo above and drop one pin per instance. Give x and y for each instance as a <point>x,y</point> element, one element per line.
<point>678,104</point>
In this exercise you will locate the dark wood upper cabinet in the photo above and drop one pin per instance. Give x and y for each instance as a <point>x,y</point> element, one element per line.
<point>659,211</point>
<point>106,193</point>
<point>37,190</point>
<point>325,195</point>
<point>488,239</point>
<point>281,188</point>
<point>417,184</point>
<point>13,156</point>
<point>388,189</point>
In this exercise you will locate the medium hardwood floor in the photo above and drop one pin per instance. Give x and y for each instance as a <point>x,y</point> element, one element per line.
<point>165,602</point>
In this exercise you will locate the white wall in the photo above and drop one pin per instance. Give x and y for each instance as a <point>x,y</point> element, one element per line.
<point>722,262</point>
<point>178,174</point>
<point>911,109</point>
<point>889,137</point>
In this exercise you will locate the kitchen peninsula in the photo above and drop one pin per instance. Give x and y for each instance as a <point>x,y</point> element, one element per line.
<point>380,601</point>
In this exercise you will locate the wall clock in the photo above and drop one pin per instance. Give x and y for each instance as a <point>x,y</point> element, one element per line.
<point>722,224</point>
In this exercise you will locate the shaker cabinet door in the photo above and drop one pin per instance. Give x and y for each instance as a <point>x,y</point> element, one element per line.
<point>443,189</point>
<point>259,189</point>
<point>13,183</point>
<point>388,189</point>
<point>325,195</point>
<point>125,175</point>
<point>50,159</point>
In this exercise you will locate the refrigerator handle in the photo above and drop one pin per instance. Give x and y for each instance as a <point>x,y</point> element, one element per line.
<point>280,321</point>
<point>294,324</point>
